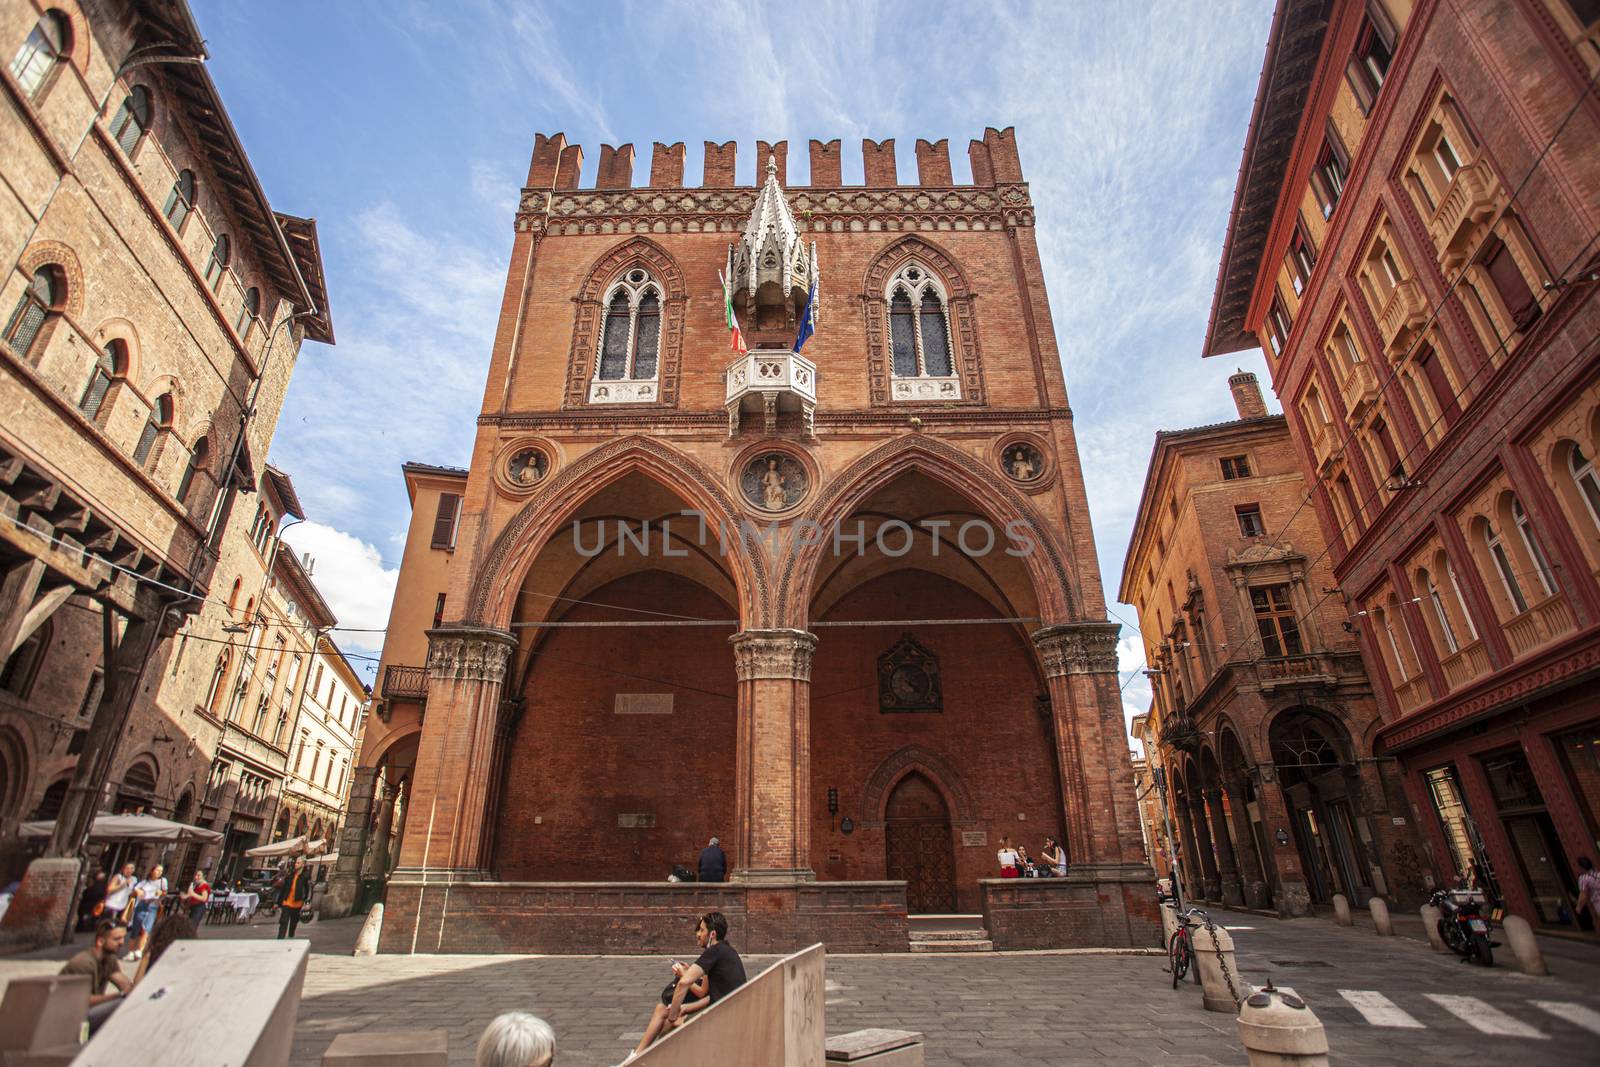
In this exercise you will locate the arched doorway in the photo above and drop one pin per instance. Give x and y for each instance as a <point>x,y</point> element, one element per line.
<point>918,846</point>
<point>138,789</point>
<point>1312,755</point>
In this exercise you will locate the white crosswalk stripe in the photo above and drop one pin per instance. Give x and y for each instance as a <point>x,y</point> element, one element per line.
<point>1576,1014</point>
<point>1379,1010</point>
<point>1484,1017</point>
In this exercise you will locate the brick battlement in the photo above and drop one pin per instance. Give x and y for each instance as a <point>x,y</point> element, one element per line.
<point>556,164</point>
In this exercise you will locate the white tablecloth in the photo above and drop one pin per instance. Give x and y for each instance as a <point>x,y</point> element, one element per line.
<point>243,903</point>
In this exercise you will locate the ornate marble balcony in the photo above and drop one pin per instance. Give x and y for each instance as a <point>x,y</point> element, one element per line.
<point>768,382</point>
<point>1403,315</point>
<point>1468,205</point>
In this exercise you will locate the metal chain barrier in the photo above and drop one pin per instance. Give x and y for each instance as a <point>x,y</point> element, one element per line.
<point>1222,961</point>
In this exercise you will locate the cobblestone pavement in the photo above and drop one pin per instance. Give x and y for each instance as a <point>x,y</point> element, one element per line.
<point>1415,1007</point>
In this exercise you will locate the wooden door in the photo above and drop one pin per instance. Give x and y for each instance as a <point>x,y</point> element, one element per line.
<point>919,846</point>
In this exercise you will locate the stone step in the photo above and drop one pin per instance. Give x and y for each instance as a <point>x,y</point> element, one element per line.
<point>964,945</point>
<point>974,933</point>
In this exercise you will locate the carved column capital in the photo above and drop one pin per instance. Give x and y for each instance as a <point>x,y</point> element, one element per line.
<point>469,653</point>
<point>1078,648</point>
<point>781,654</point>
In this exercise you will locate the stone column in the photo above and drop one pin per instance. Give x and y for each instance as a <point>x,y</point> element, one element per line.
<point>1250,871</point>
<point>1228,865</point>
<point>1080,668</point>
<point>1189,861</point>
<point>772,841</point>
<point>1293,896</point>
<point>455,756</point>
<point>1208,859</point>
<point>344,885</point>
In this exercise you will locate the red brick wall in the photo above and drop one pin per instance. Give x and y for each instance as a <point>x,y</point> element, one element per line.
<point>989,734</point>
<point>575,764</point>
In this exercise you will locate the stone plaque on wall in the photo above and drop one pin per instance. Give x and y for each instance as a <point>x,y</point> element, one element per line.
<point>972,838</point>
<point>643,820</point>
<point>644,704</point>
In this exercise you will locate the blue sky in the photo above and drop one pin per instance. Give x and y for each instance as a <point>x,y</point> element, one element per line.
<point>405,129</point>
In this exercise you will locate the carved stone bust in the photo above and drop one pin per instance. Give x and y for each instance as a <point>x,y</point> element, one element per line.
<point>773,481</point>
<point>527,467</point>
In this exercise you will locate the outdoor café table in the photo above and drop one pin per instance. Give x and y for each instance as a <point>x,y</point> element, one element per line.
<point>245,904</point>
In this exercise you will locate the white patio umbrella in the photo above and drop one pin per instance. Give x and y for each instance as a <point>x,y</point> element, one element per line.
<point>129,828</point>
<point>289,846</point>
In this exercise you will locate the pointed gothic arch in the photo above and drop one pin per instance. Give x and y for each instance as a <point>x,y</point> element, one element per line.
<point>914,759</point>
<point>494,592</point>
<point>589,313</point>
<point>1054,584</point>
<point>959,307</point>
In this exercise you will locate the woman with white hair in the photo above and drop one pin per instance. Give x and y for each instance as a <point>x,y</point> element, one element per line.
<point>517,1039</point>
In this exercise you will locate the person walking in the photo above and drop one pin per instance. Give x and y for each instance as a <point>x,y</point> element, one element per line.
<point>147,894</point>
<point>119,892</point>
<point>296,895</point>
<point>93,902</point>
<point>197,898</point>
<point>713,863</point>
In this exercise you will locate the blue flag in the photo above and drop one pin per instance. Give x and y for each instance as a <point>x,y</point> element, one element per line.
<point>806,326</point>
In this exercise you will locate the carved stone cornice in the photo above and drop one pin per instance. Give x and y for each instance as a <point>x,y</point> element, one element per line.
<point>816,210</point>
<point>779,654</point>
<point>469,653</point>
<point>1078,648</point>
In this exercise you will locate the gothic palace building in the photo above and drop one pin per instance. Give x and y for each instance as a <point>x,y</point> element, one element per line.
<point>839,607</point>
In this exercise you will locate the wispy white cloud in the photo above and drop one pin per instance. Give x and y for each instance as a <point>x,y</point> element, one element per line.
<point>353,578</point>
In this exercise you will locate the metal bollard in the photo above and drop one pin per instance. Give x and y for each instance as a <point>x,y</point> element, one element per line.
<point>367,940</point>
<point>1277,1030</point>
<point>1341,910</point>
<point>1380,917</point>
<point>1169,923</point>
<point>1430,926</point>
<point>1519,935</point>
<point>1219,974</point>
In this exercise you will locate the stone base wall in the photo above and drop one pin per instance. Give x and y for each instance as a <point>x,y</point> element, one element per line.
<point>435,914</point>
<point>1091,908</point>
<point>38,912</point>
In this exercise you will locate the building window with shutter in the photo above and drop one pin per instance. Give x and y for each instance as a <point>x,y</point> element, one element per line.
<point>145,453</point>
<point>110,368</point>
<point>40,300</point>
<point>438,612</point>
<point>446,520</point>
<point>1512,288</point>
<point>217,265</point>
<point>1370,59</point>
<point>630,341</point>
<point>199,457</point>
<point>1279,326</point>
<point>1235,467</point>
<point>44,47</point>
<point>1250,524</point>
<point>249,309</point>
<point>131,119</point>
<point>180,202</point>
<point>1275,620</point>
<point>1302,259</point>
<point>1329,174</point>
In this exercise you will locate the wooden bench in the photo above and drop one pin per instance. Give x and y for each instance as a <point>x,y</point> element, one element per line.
<point>389,1048</point>
<point>877,1048</point>
<point>41,1019</point>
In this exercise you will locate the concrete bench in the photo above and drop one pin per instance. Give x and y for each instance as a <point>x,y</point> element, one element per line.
<point>389,1048</point>
<point>41,1019</point>
<point>877,1048</point>
<point>775,1019</point>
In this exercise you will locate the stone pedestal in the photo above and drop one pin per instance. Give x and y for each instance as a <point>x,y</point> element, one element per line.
<point>39,911</point>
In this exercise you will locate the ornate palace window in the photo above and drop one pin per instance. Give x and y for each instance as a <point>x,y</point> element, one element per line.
<point>1275,620</point>
<point>630,342</point>
<point>919,337</point>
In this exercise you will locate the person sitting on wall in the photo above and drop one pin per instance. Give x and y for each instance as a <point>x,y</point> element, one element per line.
<point>99,962</point>
<point>713,863</point>
<point>718,972</point>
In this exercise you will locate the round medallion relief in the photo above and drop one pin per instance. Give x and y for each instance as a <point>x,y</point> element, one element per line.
<point>526,467</point>
<point>1022,462</point>
<point>773,481</point>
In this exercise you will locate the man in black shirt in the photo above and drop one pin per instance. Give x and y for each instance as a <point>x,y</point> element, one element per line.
<point>718,972</point>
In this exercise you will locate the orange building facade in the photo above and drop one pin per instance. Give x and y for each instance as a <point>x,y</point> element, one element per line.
<point>838,607</point>
<point>1414,244</point>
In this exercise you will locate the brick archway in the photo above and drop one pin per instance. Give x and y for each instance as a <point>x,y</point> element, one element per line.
<point>914,759</point>
<point>494,590</point>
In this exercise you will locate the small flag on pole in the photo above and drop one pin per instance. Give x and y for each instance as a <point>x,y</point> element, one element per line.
<point>807,323</point>
<point>737,341</point>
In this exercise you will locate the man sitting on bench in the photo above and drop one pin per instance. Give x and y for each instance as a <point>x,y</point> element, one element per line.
<point>718,972</point>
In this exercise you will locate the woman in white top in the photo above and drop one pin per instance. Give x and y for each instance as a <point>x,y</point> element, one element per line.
<point>146,903</point>
<point>1008,859</point>
<point>118,891</point>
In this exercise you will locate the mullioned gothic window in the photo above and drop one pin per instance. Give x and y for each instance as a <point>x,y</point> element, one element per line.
<point>919,334</point>
<point>630,342</point>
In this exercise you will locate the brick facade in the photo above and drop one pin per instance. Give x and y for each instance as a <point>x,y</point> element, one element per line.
<point>585,713</point>
<point>1433,344</point>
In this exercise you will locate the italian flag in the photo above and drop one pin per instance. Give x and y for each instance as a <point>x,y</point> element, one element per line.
<point>737,341</point>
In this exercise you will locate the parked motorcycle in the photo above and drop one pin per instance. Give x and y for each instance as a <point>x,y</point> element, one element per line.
<point>1462,924</point>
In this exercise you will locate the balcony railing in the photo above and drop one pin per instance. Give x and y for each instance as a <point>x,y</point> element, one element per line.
<point>1540,624</point>
<point>1466,206</point>
<point>1281,670</point>
<point>405,683</point>
<point>1412,694</point>
<point>769,382</point>
<point>1403,315</point>
<point>1360,388</point>
<point>1467,664</point>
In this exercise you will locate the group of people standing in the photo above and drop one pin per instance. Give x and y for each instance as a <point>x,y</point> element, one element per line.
<point>1016,863</point>
<point>136,902</point>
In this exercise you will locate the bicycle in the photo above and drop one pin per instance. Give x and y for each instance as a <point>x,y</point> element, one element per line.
<point>1180,951</point>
